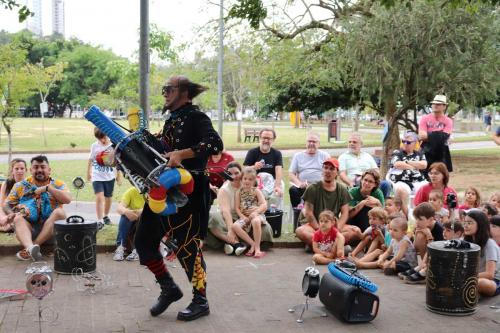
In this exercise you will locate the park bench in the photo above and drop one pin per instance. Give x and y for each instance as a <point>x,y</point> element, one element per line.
<point>252,134</point>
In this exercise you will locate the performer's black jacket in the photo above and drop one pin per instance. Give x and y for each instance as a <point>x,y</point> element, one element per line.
<point>188,127</point>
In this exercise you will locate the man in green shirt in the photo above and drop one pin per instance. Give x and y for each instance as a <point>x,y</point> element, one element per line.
<point>326,194</point>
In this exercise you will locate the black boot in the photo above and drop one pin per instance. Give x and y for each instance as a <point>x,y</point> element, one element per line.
<point>170,293</point>
<point>197,308</point>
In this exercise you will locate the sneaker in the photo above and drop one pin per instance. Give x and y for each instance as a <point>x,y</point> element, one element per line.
<point>240,248</point>
<point>164,250</point>
<point>34,251</point>
<point>404,274</point>
<point>228,249</point>
<point>119,253</point>
<point>23,255</point>
<point>106,220</point>
<point>100,225</point>
<point>133,256</point>
<point>415,279</point>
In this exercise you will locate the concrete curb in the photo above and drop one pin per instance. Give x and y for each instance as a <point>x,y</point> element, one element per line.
<point>12,249</point>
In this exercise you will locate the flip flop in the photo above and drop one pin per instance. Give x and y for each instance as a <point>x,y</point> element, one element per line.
<point>249,254</point>
<point>259,256</point>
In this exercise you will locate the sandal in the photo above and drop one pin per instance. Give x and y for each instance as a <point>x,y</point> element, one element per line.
<point>260,255</point>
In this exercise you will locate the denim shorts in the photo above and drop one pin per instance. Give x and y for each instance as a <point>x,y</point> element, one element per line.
<point>497,292</point>
<point>104,186</point>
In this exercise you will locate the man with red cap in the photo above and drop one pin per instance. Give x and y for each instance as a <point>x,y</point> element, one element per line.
<point>326,194</point>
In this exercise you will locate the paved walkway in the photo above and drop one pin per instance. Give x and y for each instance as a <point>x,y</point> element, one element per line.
<point>245,294</point>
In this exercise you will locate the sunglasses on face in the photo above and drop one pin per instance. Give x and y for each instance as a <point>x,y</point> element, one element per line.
<point>406,142</point>
<point>165,90</point>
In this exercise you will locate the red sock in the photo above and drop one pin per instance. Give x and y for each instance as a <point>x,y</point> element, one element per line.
<point>157,267</point>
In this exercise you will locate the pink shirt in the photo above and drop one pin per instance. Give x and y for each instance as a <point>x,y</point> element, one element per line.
<point>422,194</point>
<point>429,123</point>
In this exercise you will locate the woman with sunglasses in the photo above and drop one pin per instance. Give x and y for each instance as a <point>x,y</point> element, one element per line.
<point>439,176</point>
<point>406,166</point>
<point>477,231</point>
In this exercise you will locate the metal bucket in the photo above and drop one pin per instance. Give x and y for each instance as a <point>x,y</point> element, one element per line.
<point>452,279</point>
<point>75,245</point>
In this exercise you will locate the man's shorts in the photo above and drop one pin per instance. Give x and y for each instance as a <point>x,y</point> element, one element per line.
<point>104,186</point>
<point>497,282</point>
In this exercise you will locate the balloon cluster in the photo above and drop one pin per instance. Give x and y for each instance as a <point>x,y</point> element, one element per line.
<point>172,181</point>
<point>106,157</point>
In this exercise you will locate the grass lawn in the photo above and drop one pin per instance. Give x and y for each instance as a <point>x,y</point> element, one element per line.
<point>77,135</point>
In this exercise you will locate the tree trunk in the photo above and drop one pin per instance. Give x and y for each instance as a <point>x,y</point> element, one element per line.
<point>238,131</point>
<point>9,139</point>
<point>297,119</point>
<point>356,118</point>
<point>392,138</point>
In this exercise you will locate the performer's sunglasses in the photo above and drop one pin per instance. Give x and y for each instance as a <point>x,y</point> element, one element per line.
<point>168,89</point>
<point>406,142</point>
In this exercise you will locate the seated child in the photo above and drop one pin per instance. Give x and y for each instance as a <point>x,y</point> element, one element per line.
<point>427,229</point>
<point>451,230</point>
<point>437,201</point>
<point>327,242</point>
<point>373,237</point>
<point>495,200</point>
<point>400,255</point>
<point>477,231</point>
<point>472,199</point>
<point>250,206</point>
<point>394,206</point>
<point>489,209</point>
<point>495,228</point>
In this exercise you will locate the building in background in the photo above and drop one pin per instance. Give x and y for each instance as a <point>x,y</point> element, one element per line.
<point>34,23</point>
<point>58,17</point>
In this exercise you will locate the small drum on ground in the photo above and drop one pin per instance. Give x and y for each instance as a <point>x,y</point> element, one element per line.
<point>75,245</point>
<point>275,219</point>
<point>452,277</point>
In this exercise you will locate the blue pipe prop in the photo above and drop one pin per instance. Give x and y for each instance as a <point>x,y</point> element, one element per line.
<point>115,133</point>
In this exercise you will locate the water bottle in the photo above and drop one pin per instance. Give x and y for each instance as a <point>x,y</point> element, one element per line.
<point>272,208</point>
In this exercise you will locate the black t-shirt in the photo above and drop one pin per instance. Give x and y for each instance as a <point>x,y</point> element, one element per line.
<point>437,232</point>
<point>271,159</point>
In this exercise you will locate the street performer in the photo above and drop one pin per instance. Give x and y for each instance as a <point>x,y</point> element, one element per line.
<point>189,138</point>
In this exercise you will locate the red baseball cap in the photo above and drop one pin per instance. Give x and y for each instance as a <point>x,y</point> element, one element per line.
<point>333,162</point>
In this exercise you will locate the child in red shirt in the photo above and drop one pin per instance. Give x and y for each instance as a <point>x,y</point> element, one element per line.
<point>328,242</point>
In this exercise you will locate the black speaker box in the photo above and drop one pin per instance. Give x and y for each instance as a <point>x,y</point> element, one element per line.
<point>347,302</point>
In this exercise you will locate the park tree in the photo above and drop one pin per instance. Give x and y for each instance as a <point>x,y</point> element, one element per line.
<point>23,11</point>
<point>397,53</point>
<point>43,80</point>
<point>405,56</point>
<point>86,74</point>
<point>15,86</point>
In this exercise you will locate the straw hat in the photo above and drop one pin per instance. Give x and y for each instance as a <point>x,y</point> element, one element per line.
<point>439,99</point>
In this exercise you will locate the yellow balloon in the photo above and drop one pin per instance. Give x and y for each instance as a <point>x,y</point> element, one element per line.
<point>185,176</point>
<point>157,206</point>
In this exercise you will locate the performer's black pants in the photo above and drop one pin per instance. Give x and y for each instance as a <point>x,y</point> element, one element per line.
<point>184,228</point>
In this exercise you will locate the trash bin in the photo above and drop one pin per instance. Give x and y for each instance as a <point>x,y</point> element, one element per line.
<point>275,219</point>
<point>334,129</point>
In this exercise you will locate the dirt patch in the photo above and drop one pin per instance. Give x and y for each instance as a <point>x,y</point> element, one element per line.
<point>482,172</point>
